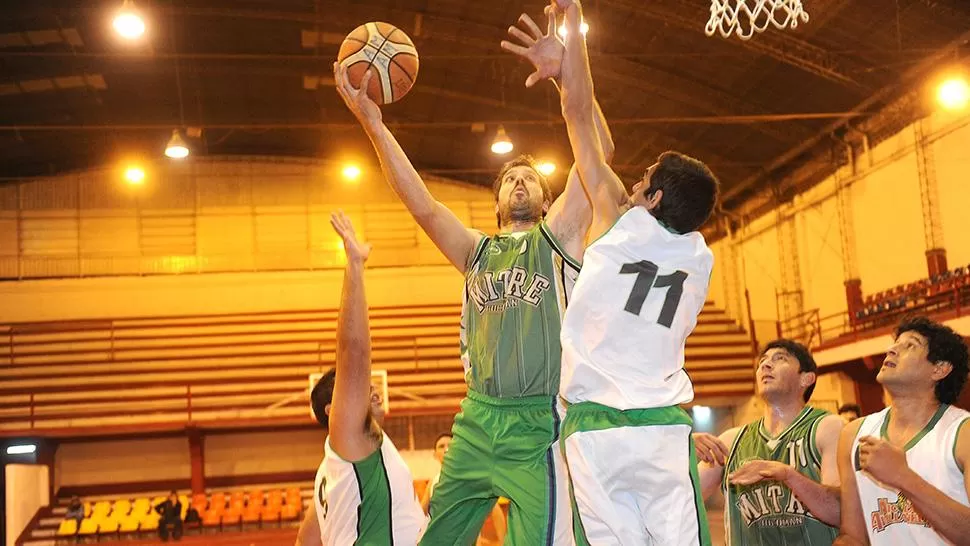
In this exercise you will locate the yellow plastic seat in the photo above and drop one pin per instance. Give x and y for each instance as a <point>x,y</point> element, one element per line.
<point>129,524</point>
<point>101,509</point>
<point>88,527</point>
<point>67,527</point>
<point>121,508</point>
<point>158,500</point>
<point>142,505</point>
<point>149,521</point>
<point>110,525</point>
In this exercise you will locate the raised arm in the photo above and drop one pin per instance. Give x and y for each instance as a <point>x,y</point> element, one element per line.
<point>446,231</point>
<point>603,187</point>
<point>887,463</point>
<point>350,436</point>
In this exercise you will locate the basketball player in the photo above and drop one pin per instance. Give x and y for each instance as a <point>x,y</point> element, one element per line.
<point>782,485</point>
<point>517,284</point>
<point>644,281</point>
<point>363,491</point>
<point>904,469</point>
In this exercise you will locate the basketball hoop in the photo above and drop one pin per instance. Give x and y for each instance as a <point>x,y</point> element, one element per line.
<point>747,17</point>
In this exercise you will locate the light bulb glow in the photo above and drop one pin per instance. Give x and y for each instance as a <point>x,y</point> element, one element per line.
<point>351,172</point>
<point>177,152</point>
<point>583,29</point>
<point>954,94</point>
<point>129,25</point>
<point>502,147</point>
<point>134,175</point>
<point>546,168</point>
<point>22,449</point>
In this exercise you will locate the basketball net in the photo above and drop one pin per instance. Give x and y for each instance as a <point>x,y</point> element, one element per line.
<point>747,17</point>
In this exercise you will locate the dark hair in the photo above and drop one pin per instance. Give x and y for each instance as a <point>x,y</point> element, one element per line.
<point>442,435</point>
<point>321,395</point>
<point>690,191</point>
<point>806,363</point>
<point>851,407</point>
<point>945,345</point>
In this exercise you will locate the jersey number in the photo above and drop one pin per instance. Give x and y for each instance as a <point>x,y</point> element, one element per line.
<point>646,275</point>
<point>322,497</point>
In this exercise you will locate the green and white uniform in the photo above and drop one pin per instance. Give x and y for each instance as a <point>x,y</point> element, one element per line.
<point>891,518</point>
<point>627,443</point>
<point>505,439</point>
<point>370,502</point>
<point>768,513</point>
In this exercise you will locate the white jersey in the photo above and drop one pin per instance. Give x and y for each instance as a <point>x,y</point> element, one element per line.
<point>637,298</point>
<point>371,501</point>
<point>890,518</point>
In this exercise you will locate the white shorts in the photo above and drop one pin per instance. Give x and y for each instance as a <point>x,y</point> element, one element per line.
<point>633,485</point>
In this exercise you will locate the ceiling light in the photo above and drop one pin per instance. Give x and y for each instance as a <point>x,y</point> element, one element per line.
<point>546,167</point>
<point>351,172</point>
<point>134,175</point>
<point>954,93</point>
<point>501,145</point>
<point>128,23</point>
<point>22,449</point>
<point>583,28</point>
<point>176,147</point>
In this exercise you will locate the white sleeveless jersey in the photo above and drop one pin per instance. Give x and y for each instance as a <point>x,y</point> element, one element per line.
<point>370,502</point>
<point>635,302</point>
<point>890,518</point>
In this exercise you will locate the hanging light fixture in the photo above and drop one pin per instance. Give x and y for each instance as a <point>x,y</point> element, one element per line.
<point>502,144</point>
<point>176,147</point>
<point>128,23</point>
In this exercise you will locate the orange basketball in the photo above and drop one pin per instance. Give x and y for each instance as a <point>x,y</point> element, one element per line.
<point>387,51</point>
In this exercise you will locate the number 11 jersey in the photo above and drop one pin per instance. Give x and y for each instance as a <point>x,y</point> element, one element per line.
<point>635,302</point>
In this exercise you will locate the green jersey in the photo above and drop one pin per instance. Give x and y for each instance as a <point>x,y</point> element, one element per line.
<point>517,286</point>
<point>767,513</point>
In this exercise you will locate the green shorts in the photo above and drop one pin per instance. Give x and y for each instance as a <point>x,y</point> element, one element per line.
<point>502,448</point>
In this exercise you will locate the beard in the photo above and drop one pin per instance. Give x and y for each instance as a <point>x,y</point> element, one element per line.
<point>520,210</point>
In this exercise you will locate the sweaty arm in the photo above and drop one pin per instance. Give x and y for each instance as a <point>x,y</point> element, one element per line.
<point>350,434</point>
<point>444,229</point>
<point>570,215</point>
<point>945,515</point>
<point>447,232</point>
<point>603,187</point>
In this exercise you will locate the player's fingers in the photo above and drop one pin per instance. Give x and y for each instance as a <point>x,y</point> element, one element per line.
<point>531,25</point>
<point>365,81</point>
<point>523,37</point>
<point>550,12</point>
<point>532,79</point>
<point>513,48</point>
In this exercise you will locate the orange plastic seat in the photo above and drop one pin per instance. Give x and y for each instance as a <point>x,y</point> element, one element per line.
<point>290,512</point>
<point>274,498</point>
<point>212,519</point>
<point>271,513</point>
<point>256,497</point>
<point>252,514</point>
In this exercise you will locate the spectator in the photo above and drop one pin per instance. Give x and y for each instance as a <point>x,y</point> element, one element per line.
<point>171,520</point>
<point>75,510</point>
<point>192,518</point>
<point>850,412</point>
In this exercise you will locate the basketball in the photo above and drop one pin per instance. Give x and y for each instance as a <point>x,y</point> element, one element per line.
<point>389,52</point>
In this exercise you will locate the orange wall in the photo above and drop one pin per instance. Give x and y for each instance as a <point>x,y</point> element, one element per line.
<point>167,295</point>
<point>85,463</point>
<point>888,223</point>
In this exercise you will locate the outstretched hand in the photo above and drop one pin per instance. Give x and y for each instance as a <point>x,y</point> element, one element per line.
<point>544,51</point>
<point>356,99</point>
<point>356,249</point>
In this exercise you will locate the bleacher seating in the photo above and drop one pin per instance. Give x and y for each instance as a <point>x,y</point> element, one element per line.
<point>227,369</point>
<point>939,293</point>
<point>131,517</point>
